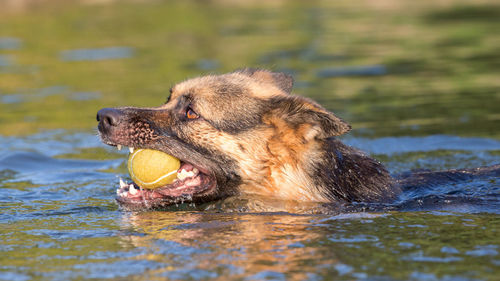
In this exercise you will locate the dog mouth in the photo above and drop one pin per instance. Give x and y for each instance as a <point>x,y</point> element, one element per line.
<point>192,184</point>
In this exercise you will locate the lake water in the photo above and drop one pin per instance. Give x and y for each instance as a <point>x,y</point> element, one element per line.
<point>418,81</point>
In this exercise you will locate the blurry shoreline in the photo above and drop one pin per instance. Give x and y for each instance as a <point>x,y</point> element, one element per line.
<point>26,5</point>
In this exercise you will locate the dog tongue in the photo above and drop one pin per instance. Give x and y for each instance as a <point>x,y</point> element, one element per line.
<point>186,166</point>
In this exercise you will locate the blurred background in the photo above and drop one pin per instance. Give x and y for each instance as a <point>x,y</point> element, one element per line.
<point>418,80</point>
<point>388,67</point>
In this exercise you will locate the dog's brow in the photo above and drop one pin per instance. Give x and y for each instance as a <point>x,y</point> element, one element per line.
<point>183,101</point>
<point>170,95</point>
<point>186,97</point>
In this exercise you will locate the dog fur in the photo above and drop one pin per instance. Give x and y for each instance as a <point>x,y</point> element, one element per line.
<point>250,136</point>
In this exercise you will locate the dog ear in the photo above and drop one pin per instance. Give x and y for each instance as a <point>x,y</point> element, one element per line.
<point>299,111</point>
<point>278,79</point>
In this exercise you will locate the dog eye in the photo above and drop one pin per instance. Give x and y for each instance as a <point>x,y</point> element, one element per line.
<point>190,114</point>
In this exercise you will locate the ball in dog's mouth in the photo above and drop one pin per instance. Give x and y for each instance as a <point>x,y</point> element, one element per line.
<point>191,182</point>
<point>151,169</point>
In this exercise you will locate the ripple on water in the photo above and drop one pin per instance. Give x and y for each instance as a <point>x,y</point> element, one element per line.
<point>421,276</point>
<point>486,250</point>
<point>72,234</point>
<point>396,145</point>
<point>343,269</point>
<point>42,170</point>
<point>102,270</point>
<point>362,70</point>
<point>406,245</point>
<point>353,239</point>
<point>50,143</point>
<point>5,61</point>
<point>10,43</point>
<point>37,95</point>
<point>188,273</point>
<point>420,257</point>
<point>97,54</point>
<point>52,202</point>
<point>449,250</point>
<point>9,275</point>
<point>267,275</point>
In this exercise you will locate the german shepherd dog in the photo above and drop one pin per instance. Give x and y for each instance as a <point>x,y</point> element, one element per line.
<point>244,133</point>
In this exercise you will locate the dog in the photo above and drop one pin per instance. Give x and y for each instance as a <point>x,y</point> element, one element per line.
<point>244,133</point>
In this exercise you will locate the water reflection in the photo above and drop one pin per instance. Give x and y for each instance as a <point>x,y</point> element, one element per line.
<point>241,245</point>
<point>6,60</point>
<point>9,43</point>
<point>366,70</point>
<point>398,145</point>
<point>60,222</point>
<point>40,169</point>
<point>83,96</point>
<point>190,244</point>
<point>32,96</point>
<point>97,54</point>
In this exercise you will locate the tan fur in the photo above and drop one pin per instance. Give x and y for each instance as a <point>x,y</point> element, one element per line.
<point>273,158</point>
<point>258,139</point>
<point>268,165</point>
<point>262,88</point>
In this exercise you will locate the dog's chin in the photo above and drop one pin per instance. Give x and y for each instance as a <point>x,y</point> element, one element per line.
<point>193,184</point>
<point>197,188</point>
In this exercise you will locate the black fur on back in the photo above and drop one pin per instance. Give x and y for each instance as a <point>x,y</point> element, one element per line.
<point>348,174</point>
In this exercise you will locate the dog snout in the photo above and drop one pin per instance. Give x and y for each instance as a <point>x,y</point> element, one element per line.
<point>109,117</point>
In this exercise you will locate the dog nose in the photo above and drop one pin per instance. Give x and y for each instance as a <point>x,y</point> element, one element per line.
<point>109,117</point>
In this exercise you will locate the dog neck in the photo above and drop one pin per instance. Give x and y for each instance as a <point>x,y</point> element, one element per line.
<point>321,171</point>
<point>352,175</point>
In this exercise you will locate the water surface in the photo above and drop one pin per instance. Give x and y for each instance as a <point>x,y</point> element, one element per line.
<point>418,81</point>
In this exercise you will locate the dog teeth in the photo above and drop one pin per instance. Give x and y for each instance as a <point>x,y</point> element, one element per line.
<point>196,171</point>
<point>121,193</point>
<point>119,147</point>
<point>122,183</point>
<point>132,190</point>
<point>131,149</point>
<point>183,174</point>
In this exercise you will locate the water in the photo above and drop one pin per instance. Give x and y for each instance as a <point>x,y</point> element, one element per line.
<point>418,82</point>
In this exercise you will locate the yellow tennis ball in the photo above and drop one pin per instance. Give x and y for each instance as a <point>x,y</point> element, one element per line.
<point>152,168</point>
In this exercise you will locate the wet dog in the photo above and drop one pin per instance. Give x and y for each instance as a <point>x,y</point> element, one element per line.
<point>244,133</point>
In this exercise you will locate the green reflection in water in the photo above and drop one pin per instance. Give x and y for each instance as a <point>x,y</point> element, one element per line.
<point>393,245</point>
<point>441,60</point>
<point>442,64</point>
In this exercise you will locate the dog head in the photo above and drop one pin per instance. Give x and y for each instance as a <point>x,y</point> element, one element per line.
<point>240,132</point>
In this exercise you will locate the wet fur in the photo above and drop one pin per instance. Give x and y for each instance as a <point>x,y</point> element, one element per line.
<point>258,139</point>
